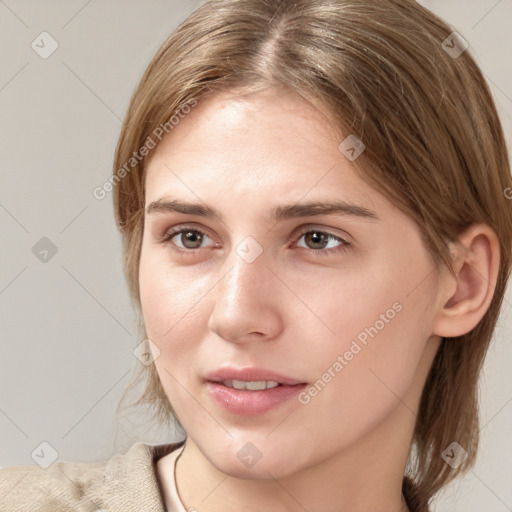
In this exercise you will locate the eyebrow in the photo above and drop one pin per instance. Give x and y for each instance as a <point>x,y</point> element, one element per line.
<point>279,213</point>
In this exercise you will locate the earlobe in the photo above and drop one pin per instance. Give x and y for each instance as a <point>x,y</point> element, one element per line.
<point>468,296</point>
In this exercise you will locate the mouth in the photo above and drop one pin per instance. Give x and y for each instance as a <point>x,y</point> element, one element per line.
<point>253,385</point>
<point>251,391</point>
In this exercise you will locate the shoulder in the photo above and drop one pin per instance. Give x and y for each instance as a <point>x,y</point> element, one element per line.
<point>124,483</point>
<point>62,486</point>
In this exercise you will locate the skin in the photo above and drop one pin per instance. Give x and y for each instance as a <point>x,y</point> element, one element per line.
<point>293,310</point>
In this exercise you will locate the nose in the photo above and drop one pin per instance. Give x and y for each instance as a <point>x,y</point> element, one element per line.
<point>248,301</point>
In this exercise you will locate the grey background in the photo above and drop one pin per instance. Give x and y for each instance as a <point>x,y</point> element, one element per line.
<point>67,331</point>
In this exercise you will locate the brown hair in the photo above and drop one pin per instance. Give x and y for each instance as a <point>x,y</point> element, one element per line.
<point>434,147</point>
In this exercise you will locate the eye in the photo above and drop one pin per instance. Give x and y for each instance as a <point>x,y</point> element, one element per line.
<point>189,238</point>
<point>322,242</point>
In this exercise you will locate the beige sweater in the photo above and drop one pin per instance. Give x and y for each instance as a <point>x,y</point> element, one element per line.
<point>124,483</point>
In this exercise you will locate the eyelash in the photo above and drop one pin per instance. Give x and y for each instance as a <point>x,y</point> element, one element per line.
<point>171,233</point>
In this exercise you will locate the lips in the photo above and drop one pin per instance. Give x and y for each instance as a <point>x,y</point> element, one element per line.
<point>251,391</point>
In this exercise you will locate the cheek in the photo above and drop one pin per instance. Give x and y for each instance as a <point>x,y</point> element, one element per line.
<point>345,305</point>
<point>171,304</point>
<point>172,324</point>
<point>377,322</point>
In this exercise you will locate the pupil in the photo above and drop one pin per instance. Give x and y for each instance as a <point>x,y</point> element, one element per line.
<point>190,236</point>
<point>317,238</point>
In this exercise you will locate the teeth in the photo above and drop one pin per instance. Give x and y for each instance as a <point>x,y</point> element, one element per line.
<point>250,385</point>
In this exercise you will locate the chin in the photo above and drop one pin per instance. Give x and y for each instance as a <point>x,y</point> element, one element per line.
<point>252,458</point>
<point>261,470</point>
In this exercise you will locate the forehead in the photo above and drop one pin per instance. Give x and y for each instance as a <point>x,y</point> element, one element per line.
<point>254,147</point>
<point>272,120</point>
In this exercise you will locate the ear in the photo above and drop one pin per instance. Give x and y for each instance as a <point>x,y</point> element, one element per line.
<point>465,299</point>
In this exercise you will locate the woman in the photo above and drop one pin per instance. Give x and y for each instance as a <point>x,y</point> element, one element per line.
<point>313,202</point>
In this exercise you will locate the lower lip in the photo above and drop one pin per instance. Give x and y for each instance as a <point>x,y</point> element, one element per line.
<point>252,403</point>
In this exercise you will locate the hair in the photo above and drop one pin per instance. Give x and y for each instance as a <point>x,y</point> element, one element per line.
<point>434,147</point>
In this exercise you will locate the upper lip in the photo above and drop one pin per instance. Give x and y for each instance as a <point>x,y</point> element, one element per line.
<point>250,374</point>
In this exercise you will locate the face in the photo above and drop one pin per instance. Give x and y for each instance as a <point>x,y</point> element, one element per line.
<point>336,306</point>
